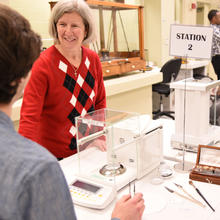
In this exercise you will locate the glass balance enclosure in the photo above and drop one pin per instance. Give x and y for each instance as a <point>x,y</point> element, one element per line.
<point>107,146</point>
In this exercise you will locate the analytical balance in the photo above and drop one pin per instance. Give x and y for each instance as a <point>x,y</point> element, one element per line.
<point>133,148</point>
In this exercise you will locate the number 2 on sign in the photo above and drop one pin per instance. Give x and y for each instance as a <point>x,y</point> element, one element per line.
<point>190,46</point>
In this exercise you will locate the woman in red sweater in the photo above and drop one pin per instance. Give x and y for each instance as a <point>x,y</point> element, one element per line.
<point>66,81</point>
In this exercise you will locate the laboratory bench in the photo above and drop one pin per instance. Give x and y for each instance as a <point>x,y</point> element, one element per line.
<point>132,92</point>
<point>160,204</point>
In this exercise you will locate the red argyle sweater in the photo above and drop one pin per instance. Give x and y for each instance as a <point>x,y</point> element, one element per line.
<point>54,96</point>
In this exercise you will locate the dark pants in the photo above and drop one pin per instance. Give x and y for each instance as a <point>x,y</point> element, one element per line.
<point>216,65</point>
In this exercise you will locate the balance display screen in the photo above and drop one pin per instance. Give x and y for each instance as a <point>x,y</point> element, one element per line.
<point>86,186</point>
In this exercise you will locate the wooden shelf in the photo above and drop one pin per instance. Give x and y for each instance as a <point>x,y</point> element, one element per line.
<point>110,5</point>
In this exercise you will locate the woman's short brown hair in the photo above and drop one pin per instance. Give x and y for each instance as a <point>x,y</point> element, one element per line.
<point>68,6</point>
<point>19,48</point>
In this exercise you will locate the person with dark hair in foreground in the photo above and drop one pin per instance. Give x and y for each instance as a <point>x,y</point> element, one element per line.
<point>32,184</point>
<point>214,18</point>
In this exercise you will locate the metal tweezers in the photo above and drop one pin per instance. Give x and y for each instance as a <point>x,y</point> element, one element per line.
<point>130,191</point>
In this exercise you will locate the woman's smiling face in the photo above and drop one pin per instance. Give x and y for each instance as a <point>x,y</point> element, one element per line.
<point>71,30</point>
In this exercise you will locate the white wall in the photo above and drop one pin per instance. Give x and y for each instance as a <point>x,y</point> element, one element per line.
<point>37,12</point>
<point>167,18</point>
<point>159,14</point>
<point>6,2</point>
<point>152,24</point>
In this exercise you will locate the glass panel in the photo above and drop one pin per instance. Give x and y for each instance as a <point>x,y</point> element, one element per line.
<point>107,143</point>
<point>210,157</point>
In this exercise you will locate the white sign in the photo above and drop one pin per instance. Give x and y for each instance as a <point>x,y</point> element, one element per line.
<point>191,41</point>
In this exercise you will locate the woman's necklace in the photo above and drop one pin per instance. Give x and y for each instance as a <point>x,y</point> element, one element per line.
<point>63,53</point>
<point>75,70</point>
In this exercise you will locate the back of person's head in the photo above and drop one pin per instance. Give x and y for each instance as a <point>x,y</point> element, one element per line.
<point>68,6</point>
<point>19,48</point>
<point>212,13</point>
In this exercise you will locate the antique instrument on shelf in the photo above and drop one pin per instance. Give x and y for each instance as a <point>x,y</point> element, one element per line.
<point>119,53</point>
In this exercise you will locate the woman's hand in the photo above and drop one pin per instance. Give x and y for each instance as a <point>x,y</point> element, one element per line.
<point>99,143</point>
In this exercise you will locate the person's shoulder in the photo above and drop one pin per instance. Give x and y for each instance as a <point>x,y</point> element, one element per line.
<point>45,56</point>
<point>50,50</point>
<point>34,152</point>
<point>90,53</point>
<point>36,159</point>
<point>22,149</point>
<point>23,158</point>
<point>215,26</point>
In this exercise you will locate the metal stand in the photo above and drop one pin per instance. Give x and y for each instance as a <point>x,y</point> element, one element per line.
<point>183,166</point>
